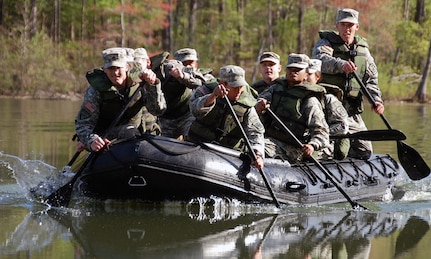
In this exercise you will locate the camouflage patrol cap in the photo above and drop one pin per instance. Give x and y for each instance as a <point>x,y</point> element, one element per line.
<point>114,57</point>
<point>129,54</point>
<point>347,15</point>
<point>270,56</point>
<point>314,66</point>
<point>186,54</point>
<point>141,53</point>
<point>297,61</point>
<point>234,76</point>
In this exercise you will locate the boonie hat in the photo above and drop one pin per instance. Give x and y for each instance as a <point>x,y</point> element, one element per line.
<point>186,54</point>
<point>233,75</point>
<point>314,66</point>
<point>298,61</point>
<point>114,57</point>
<point>347,15</point>
<point>141,53</point>
<point>270,56</point>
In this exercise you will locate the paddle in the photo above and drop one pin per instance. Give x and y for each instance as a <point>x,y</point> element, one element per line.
<point>250,149</point>
<point>62,196</point>
<point>374,135</point>
<point>73,159</point>
<point>354,205</point>
<point>412,162</point>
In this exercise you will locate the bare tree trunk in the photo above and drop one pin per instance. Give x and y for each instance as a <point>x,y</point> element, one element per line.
<point>33,18</point>
<point>422,89</point>
<point>174,24</point>
<point>420,11</point>
<point>398,50</point>
<point>56,21</point>
<point>301,26</point>
<point>2,11</point>
<point>94,22</point>
<point>192,22</point>
<point>168,30</point>
<point>237,44</point>
<point>420,18</point>
<point>83,3</point>
<point>270,40</point>
<point>255,69</point>
<point>123,26</point>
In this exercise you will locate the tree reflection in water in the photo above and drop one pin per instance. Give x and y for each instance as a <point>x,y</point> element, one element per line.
<point>201,229</point>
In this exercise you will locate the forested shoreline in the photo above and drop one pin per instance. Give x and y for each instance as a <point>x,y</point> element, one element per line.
<point>47,46</point>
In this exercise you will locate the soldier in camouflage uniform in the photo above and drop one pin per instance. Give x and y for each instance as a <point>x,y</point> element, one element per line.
<point>342,52</point>
<point>149,120</point>
<point>179,78</point>
<point>269,68</point>
<point>214,121</point>
<point>299,107</point>
<point>110,89</point>
<point>335,113</point>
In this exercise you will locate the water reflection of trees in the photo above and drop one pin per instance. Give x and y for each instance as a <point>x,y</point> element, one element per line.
<point>175,231</point>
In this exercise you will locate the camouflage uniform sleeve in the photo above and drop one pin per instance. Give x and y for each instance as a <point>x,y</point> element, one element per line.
<point>192,79</point>
<point>315,120</point>
<point>154,98</point>
<point>336,116</point>
<point>371,78</point>
<point>197,102</point>
<point>135,69</point>
<point>254,130</point>
<point>324,51</point>
<point>87,117</point>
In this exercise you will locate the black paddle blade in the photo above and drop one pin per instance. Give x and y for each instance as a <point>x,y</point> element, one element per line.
<point>384,135</point>
<point>61,197</point>
<point>412,162</point>
<point>375,135</point>
<point>414,230</point>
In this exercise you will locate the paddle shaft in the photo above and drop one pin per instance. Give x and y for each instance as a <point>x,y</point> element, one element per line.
<point>371,99</point>
<point>323,169</point>
<point>73,159</point>
<point>251,150</point>
<point>412,162</point>
<point>62,196</point>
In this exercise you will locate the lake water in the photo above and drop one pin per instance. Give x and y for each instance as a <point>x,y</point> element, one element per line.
<point>35,142</point>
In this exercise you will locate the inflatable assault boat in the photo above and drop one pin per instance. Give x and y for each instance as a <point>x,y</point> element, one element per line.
<point>154,168</point>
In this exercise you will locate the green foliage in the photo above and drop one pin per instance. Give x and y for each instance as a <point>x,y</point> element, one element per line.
<point>401,86</point>
<point>412,42</point>
<point>35,68</point>
<point>225,32</point>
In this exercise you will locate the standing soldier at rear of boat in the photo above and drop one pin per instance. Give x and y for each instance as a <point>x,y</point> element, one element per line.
<point>342,53</point>
<point>299,106</point>
<point>269,68</point>
<point>214,121</point>
<point>110,89</point>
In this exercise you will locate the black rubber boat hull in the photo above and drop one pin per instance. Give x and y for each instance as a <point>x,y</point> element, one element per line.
<point>158,168</point>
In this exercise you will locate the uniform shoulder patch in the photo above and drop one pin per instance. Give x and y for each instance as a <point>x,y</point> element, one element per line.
<point>89,106</point>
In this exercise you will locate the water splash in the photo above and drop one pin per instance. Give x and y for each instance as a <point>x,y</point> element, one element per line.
<point>35,178</point>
